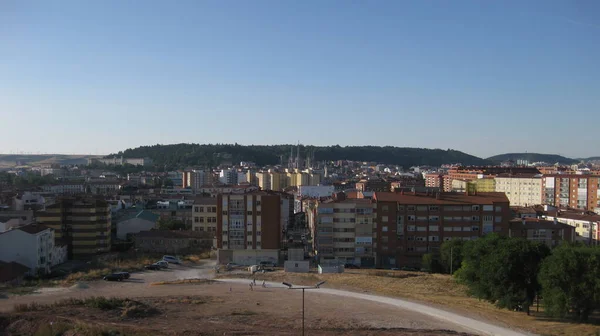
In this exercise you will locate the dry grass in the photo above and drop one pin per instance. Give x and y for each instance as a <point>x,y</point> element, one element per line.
<point>437,289</point>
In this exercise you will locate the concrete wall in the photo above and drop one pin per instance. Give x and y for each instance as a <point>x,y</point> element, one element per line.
<point>297,266</point>
<point>247,257</point>
<point>331,269</point>
<point>295,254</point>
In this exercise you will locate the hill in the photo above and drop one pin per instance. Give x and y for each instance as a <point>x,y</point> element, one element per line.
<point>184,155</point>
<point>10,160</point>
<point>533,157</point>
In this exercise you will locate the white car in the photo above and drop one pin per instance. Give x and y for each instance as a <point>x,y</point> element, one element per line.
<point>171,259</point>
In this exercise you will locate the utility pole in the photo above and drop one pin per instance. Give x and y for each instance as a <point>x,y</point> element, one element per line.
<point>290,286</point>
<point>451,260</point>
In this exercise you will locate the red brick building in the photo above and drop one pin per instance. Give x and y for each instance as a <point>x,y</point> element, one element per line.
<point>409,225</point>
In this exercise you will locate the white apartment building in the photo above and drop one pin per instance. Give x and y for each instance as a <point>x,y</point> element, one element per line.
<point>33,246</point>
<point>315,191</point>
<point>521,190</point>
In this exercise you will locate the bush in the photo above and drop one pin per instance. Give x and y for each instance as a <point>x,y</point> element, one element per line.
<point>135,309</point>
<point>103,303</point>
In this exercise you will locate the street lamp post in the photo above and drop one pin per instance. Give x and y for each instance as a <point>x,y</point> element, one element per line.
<point>290,286</point>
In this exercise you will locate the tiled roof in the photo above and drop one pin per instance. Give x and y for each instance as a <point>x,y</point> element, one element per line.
<point>444,198</point>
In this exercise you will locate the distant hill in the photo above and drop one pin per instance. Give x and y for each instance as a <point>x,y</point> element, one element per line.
<point>533,157</point>
<point>185,155</point>
<point>10,160</point>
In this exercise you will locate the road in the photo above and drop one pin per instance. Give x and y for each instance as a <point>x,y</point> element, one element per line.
<point>439,314</point>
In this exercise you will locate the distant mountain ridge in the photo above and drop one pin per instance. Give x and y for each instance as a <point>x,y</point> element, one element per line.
<point>534,157</point>
<point>185,155</point>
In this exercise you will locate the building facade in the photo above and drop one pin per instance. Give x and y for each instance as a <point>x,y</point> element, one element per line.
<point>572,190</point>
<point>342,230</point>
<point>409,225</point>
<point>551,233</point>
<point>83,223</point>
<point>521,190</point>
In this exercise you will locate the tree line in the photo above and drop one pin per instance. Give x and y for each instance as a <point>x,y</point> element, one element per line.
<point>513,272</point>
<point>211,155</point>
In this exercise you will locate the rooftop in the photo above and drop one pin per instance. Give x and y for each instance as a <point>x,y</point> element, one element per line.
<point>441,198</point>
<point>33,228</point>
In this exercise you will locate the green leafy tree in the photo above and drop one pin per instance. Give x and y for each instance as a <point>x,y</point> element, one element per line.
<point>570,279</point>
<point>431,263</point>
<point>170,224</point>
<point>451,255</point>
<point>503,270</point>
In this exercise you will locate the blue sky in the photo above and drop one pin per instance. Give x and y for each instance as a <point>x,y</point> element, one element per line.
<point>484,77</point>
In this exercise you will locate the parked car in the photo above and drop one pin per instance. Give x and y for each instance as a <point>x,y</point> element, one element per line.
<point>112,277</point>
<point>162,264</point>
<point>124,275</point>
<point>153,267</point>
<point>351,266</point>
<point>268,263</point>
<point>171,259</point>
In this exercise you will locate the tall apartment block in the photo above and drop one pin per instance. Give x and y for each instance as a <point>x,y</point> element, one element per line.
<point>572,190</point>
<point>250,226</point>
<point>342,230</point>
<point>409,225</point>
<point>84,223</point>
<point>521,190</point>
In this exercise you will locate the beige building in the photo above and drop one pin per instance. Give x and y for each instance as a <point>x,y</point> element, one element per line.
<point>343,230</point>
<point>521,190</point>
<point>204,215</point>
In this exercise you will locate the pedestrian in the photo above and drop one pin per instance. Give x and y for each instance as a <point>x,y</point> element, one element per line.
<point>264,284</point>
<point>252,289</point>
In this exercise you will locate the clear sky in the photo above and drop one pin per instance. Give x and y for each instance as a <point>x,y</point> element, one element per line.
<point>484,77</point>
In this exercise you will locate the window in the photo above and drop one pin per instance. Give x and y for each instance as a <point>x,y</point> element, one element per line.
<point>410,208</point>
<point>195,209</point>
<point>384,219</point>
<point>447,228</point>
<point>488,218</point>
<point>200,209</point>
<point>498,219</point>
<point>225,212</point>
<point>257,203</point>
<point>475,218</point>
<point>411,228</point>
<point>258,213</point>
<point>201,220</point>
<point>200,229</point>
<point>249,243</point>
<point>384,229</point>
<point>475,208</point>
<point>384,208</point>
<point>498,209</point>
<point>420,238</point>
<point>433,228</point>
<point>257,244</point>
<point>196,220</point>
<point>434,208</point>
<point>400,207</point>
<point>249,213</point>
<point>258,233</point>
<point>488,208</point>
<point>434,218</point>
<point>412,218</point>
<point>475,228</point>
<point>422,208</point>
<point>434,238</point>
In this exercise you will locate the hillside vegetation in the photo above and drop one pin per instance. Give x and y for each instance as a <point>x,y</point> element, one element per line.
<point>533,157</point>
<point>182,155</point>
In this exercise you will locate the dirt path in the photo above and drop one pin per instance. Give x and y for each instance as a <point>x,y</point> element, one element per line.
<point>441,315</point>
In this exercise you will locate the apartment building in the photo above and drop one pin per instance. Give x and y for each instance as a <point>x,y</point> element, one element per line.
<point>250,227</point>
<point>278,181</point>
<point>83,222</point>
<point>32,246</point>
<point>521,190</point>
<point>572,191</point>
<point>65,188</point>
<point>474,186</point>
<point>437,180</point>
<point>409,225</point>
<point>342,230</point>
<point>585,223</point>
<point>551,233</point>
<point>204,213</point>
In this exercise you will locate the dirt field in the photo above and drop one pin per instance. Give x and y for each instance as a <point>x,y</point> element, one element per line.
<point>437,290</point>
<point>224,309</point>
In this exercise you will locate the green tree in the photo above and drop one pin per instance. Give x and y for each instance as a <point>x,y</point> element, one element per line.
<point>570,280</point>
<point>503,270</point>
<point>431,263</point>
<point>170,224</point>
<point>451,255</point>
